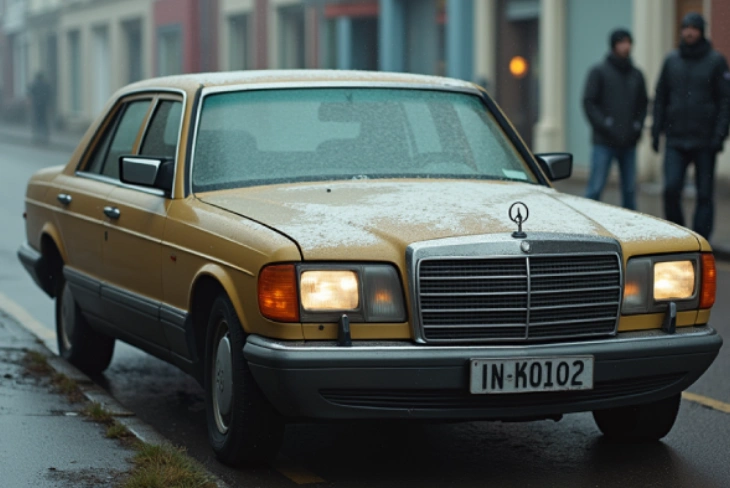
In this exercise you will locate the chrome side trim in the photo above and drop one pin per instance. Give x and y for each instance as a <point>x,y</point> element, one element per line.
<point>112,181</point>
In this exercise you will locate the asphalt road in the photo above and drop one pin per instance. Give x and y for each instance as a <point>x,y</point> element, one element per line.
<point>569,453</point>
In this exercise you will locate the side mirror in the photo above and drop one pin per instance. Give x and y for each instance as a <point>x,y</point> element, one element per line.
<point>557,166</point>
<point>147,171</point>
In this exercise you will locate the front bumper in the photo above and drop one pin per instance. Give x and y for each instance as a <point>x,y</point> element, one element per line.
<point>403,380</point>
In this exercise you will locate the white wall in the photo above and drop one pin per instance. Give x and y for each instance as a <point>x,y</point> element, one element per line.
<point>86,18</point>
<point>228,9</point>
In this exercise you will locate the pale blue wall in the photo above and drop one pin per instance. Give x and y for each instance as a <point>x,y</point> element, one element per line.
<point>589,25</point>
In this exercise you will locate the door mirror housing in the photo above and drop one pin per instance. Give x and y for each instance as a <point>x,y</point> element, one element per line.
<point>557,166</point>
<point>147,171</point>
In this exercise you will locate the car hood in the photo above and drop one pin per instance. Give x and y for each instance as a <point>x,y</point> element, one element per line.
<point>378,219</point>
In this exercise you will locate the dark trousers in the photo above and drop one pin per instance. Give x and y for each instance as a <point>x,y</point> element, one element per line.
<point>676,162</point>
<point>601,158</point>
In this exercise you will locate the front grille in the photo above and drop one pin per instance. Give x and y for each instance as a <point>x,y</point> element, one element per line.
<point>462,399</point>
<point>519,299</point>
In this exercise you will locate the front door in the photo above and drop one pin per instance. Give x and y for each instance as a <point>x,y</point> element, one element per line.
<point>132,246</point>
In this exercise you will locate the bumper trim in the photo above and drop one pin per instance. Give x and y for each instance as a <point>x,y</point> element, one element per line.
<point>34,264</point>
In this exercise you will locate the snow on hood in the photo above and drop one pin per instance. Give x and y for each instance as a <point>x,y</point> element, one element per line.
<point>345,220</point>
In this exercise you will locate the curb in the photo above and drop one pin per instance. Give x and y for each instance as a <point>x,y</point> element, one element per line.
<point>93,393</point>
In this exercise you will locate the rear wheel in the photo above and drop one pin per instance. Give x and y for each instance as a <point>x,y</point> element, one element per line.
<point>639,423</point>
<point>78,343</point>
<point>243,427</point>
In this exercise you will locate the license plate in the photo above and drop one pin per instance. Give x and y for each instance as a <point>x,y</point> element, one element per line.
<point>527,375</point>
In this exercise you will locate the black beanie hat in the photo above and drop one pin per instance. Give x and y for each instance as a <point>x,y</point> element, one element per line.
<point>619,35</point>
<point>693,19</point>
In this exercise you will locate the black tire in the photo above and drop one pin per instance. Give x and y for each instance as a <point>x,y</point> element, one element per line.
<point>243,427</point>
<point>78,343</point>
<point>639,423</point>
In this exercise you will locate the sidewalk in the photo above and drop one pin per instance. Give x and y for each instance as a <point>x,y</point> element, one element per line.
<point>46,440</point>
<point>48,437</point>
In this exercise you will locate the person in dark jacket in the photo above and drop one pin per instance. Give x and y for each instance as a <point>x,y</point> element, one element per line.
<point>692,108</point>
<point>615,103</point>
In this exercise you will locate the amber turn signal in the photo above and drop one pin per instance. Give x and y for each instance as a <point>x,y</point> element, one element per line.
<point>709,281</point>
<point>278,298</point>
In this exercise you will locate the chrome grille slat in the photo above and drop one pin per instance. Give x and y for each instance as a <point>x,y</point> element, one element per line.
<point>475,277</point>
<point>546,297</point>
<point>574,290</point>
<point>581,305</point>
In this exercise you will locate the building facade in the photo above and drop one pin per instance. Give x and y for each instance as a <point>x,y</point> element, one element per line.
<point>531,55</point>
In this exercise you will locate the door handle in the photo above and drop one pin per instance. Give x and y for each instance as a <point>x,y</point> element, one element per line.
<point>64,198</point>
<point>112,212</point>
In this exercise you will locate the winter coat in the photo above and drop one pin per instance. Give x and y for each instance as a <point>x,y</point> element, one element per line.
<point>692,105</point>
<point>615,102</point>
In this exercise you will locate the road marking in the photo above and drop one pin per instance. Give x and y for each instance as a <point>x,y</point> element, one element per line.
<point>24,318</point>
<point>298,476</point>
<point>707,402</point>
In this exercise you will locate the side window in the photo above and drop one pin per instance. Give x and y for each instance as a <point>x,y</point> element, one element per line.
<point>97,160</point>
<point>122,137</point>
<point>161,137</point>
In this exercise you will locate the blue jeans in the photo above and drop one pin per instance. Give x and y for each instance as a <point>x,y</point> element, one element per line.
<point>601,159</point>
<point>676,162</point>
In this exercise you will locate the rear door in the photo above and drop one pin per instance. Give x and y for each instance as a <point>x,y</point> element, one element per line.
<point>80,200</point>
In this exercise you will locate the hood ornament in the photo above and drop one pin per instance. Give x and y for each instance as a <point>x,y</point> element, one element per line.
<point>519,213</point>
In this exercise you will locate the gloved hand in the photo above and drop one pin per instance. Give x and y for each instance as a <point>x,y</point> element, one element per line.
<point>655,144</point>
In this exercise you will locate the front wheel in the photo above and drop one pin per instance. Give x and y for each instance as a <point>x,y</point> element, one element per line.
<point>78,343</point>
<point>243,427</point>
<point>639,423</point>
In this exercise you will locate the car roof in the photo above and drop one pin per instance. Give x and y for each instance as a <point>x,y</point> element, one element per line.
<point>189,82</point>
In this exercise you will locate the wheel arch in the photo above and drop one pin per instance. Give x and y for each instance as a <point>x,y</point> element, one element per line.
<point>209,282</point>
<point>53,257</point>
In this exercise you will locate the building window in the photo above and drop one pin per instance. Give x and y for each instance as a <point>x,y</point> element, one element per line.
<point>74,51</point>
<point>20,65</point>
<point>239,56</point>
<point>291,37</point>
<point>133,39</point>
<point>169,52</point>
<point>101,68</point>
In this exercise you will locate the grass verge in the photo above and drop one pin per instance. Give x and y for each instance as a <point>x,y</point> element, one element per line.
<point>96,412</point>
<point>68,387</point>
<point>165,466</point>
<point>37,363</point>
<point>117,431</point>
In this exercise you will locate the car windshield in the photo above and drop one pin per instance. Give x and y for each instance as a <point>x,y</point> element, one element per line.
<point>248,138</point>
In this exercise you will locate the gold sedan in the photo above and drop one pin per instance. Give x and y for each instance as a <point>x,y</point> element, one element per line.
<point>348,245</point>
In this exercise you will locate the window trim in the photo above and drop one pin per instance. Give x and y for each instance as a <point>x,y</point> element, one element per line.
<point>110,123</point>
<point>163,97</point>
<point>154,93</point>
<point>140,131</point>
<point>491,106</point>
